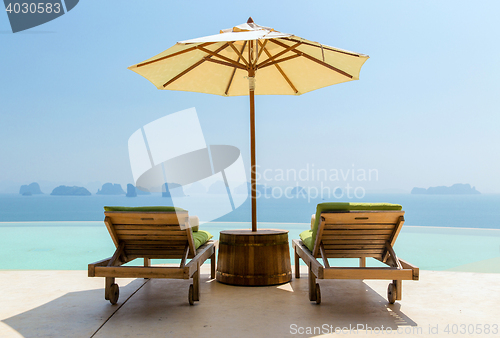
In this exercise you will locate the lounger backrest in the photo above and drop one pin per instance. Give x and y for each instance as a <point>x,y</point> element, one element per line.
<point>151,234</point>
<point>357,234</point>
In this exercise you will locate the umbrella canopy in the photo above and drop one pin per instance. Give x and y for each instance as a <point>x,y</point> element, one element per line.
<point>250,60</point>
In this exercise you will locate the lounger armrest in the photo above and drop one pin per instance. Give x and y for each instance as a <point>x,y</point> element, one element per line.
<point>202,254</point>
<point>103,262</point>
<point>308,258</point>
<point>407,265</point>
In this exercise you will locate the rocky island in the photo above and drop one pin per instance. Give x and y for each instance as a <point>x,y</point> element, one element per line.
<point>31,189</point>
<point>455,189</point>
<point>110,189</point>
<point>63,190</point>
<point>172,190</point>
<point>131,191</point>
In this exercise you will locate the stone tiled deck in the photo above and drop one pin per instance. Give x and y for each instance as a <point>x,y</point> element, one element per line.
<point>69,304</point>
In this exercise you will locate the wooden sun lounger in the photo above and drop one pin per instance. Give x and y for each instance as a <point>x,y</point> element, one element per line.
<point>356,234</point>
<point>152,235</point>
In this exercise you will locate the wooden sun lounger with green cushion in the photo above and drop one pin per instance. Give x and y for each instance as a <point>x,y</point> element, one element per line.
<point>153,233</point>
<point>354,230</point>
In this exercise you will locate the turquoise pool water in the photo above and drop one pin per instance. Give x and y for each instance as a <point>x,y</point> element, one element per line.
<point>73,245</point>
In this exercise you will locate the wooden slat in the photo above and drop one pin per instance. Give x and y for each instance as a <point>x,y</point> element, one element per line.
<point>366,226</point>
<point>354,246</point>
<point>141,272</point>
<point>353,251</point>
<point>143,226</point>
<point>159,256</point>
<point>151,237</point>
<point>352,255</point>
<point>130,217</point>
<point>162,232</point>
<point>387,217</point>
<point>359,237</point>
<point>154,247</point>
<point>139,250</point>
<point>354,241</point>
<point>368,273</point>
<point>356,232</point>
<point>158,242</point>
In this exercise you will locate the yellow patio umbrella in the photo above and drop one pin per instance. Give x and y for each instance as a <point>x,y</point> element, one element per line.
<point>250,60</point>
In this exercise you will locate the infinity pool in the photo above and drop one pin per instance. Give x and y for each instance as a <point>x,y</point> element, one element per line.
<point>73,245</point>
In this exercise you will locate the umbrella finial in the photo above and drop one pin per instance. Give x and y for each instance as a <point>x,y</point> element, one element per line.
<point>250,20</point>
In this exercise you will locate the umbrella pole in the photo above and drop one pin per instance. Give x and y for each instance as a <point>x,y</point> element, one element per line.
<point>252,151</point>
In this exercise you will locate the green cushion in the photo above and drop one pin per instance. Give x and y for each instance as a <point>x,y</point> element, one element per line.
<point>145,209</point>
<point>201,237</point>
<point>345,206</point>
<point>307,239</point>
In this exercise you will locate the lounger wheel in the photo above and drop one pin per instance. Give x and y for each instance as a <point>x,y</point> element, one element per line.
<point>391,293</point>
<point>318,294</point>
<point>114,293</point>
<point>191,295</point>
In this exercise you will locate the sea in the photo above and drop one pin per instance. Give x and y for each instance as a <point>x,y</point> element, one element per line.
<point>463,211</point>
<point>441,232</point>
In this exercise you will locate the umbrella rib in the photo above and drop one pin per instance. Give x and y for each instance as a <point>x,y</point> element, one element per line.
<point>280,60</point>
<point>261,50</point>
<point>232,65</point>
<point>184,72</point>
<point>172,55</point>
<point>281,71</point>
<point>237,64</point>
<point>307,56</point>
<point>240,56</point>
<point>279,54</point>
<point>234,71</point>
<point>325,47</point>
<point>192,67</point>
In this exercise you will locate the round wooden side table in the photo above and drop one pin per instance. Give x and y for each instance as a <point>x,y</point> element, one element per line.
<point>251,258</point>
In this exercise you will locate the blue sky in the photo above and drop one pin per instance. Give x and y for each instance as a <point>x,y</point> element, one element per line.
<point>425,111</point>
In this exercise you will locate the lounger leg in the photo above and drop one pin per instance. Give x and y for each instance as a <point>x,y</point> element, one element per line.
<point>297,264</point>
<point>399,289</point>
<point>196,283</point>
<point>147,263</point>
<point>212,265</point>
<point>107,287</point>
<point>312,285</point>
<point>362,262</point>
